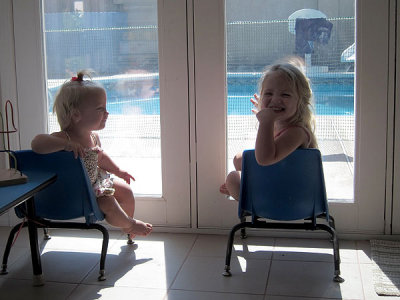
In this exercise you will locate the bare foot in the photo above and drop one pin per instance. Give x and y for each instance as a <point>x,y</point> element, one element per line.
<point>223,189</point>
<point>139,228</point>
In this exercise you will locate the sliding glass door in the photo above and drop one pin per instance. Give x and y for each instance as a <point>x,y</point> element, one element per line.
<point>323,38</point>
<point>339,58</point>
<point>130,46</point>
<point>119,43</point>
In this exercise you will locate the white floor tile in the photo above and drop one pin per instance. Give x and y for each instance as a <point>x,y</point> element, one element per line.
<point>15,254</point>
<point>216,245</point>
<point>185,295</point>
<point>157,245</point>
<point>85,292</point>
<point>143,271</point>
<point>15,289</point>
<point>57,265</point>
<point>313,279</point>
<point>313,250</point>
<point>22,238</point>
<point>348,252</point>
<point>364,252</point>
<point>80,240</point>
<point>205,274</point>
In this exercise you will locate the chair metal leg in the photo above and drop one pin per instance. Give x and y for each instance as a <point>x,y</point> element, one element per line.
<point>235,228</point>
<point>243,234</point>
<point>46,234</point>
<point>104,247</point>
<point>8,247</point>
<point>130,241</point>
<point>336,255</point>
<point>102,229</point>
<point>38,279</point>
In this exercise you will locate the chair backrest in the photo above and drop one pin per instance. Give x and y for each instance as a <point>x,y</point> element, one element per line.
<point>291,189</point>
<point>71,196</point>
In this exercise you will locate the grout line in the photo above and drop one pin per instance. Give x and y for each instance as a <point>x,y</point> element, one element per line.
<point>359,270</point>
<point>73,290</point>
<point>184,261</point>
<point>270,266</point>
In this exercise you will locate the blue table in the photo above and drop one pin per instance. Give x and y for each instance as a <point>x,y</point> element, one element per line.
<point>13,195</point>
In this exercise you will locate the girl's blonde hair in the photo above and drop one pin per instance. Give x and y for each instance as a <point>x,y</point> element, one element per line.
<point>293,71</point>
<point>71,95</point>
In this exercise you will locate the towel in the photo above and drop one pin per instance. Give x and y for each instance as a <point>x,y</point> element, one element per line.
<point>309,31</point>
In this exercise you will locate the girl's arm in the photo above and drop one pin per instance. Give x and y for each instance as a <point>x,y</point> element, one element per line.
<point>49,143</point>
<point>106,163</point>
<point>269,150</point>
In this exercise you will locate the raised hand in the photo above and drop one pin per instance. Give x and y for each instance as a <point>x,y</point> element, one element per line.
<point>125,176</point>
<point>77,148</point>
<point>269,114</point>
<point>255,102</point>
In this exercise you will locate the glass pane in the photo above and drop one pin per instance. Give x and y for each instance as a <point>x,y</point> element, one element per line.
<point>261,32</point>
<point>118,40</point>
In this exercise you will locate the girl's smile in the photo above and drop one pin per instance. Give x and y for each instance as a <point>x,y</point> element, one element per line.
<point>277,94</point>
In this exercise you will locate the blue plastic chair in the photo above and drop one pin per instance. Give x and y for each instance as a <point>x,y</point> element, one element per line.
<point>70,197</point>
<point>292,189</point>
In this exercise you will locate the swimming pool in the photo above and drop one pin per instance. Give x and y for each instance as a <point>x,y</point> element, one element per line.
<point>333,93</point>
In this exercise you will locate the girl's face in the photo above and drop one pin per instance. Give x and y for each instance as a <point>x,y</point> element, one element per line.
<point>277,93</point>
<point>93,113</point>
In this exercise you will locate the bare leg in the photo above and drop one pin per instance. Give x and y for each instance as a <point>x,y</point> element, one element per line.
<point>224,190</point>
<point>124,195</point>
<point>117,217</point>
<point>237,161</point>
<point>233,184</point>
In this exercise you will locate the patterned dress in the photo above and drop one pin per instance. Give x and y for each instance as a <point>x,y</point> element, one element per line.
<point>100,179</point>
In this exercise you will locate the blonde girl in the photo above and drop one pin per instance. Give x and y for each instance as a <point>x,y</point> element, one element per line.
<point>286,121</point>
<point>80,106</point>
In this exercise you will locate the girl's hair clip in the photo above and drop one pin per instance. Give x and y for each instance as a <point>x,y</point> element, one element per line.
<point>77,78</point>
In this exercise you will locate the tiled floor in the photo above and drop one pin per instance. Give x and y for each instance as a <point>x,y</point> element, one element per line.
<point>187,266</point>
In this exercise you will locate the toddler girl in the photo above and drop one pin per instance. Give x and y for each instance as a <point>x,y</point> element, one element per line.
<point>285,120</point>
<point>80,106</point>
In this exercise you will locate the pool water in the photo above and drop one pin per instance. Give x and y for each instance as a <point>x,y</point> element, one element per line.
<point>333,94</point>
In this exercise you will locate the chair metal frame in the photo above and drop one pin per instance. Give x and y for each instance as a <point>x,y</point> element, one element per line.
<point>54,199</point>
<point>250,203</point>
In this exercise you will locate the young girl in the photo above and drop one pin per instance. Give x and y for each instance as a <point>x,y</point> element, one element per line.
<point>285,120</point>
<point>80,106</point>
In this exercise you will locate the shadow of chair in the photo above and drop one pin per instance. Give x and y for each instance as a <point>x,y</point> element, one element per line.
<point>279,195</point>
<point>70,197</point>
